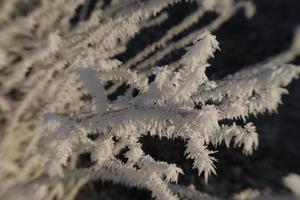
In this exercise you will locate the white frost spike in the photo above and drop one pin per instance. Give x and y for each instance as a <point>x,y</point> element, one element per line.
<point>203,48</point>
<point>134,153</point>
<point>194,64</point>
<point>93,85</point>
<point>248,139</point>
<point>163,77</point>
<point>172,173</point>
<point>203,160</point>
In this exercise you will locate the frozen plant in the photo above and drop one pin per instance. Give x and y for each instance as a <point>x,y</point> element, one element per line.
<point>63,71</point>
<point>180,103</point>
